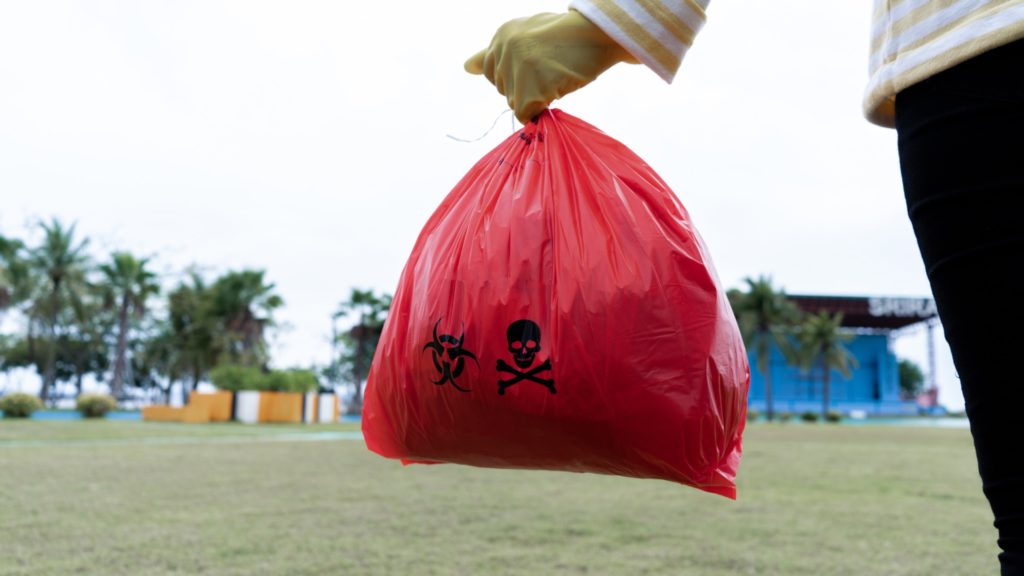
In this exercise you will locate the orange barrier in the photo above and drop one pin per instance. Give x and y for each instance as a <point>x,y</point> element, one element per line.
<point>193,414</point>
<point>280,407</point>
<point>274,407</point>
<point>216,404</point>
<point>160,413</point>
<point>202,408</point>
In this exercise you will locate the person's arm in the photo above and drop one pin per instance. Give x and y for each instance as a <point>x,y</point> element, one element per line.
<point>533,61</point>
<point>657,33</point>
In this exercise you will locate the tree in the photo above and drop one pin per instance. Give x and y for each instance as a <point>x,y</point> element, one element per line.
<point>84,343</point>
<point>18,285</point>
<point>127,287</point>
<point>62,263</point>
<point>208,324</point>
<point>243,303</point>
<point>821,341</point>
<point>911,378</point>
<point>187,343</point>
<point>160,357</point>
<point>359,343</point>
<point>14,273</point>
<point>74,356</point>
<point>765,317</point>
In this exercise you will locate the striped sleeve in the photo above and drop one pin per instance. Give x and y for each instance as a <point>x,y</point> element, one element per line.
<point>656,32</point>
<point>913,40</point>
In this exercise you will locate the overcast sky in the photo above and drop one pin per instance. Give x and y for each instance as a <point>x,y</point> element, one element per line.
<point>309,139</point>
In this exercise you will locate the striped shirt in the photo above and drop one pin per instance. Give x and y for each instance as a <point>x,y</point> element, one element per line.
<point>910,39</point>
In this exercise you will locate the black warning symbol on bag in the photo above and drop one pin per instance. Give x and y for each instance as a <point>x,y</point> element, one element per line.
<point>524,344</point>
<point>449,357</point>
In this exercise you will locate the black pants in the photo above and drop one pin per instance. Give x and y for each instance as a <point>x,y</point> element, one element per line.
<point>961,142</point>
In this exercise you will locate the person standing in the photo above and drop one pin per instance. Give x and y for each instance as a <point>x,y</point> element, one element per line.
<point>948,75</point>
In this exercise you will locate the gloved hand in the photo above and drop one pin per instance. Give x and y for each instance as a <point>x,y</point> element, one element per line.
<point>533,61</point>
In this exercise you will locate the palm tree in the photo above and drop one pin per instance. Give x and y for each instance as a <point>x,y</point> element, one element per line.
<point>190,341</point>
<point>162,355</point>
<point>62,262</point>
<point>821,341</point>
<point>9,249</point>
<point>19,284</point>
<point>765,316</point>
<point>244,304</point>
<point>85,343</point>
<point>360,342</point>
<point>128,285</point>
<point>14,273</point>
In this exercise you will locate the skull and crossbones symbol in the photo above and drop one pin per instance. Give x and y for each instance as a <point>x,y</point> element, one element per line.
<point>451,367</point>
<point>524,344</point>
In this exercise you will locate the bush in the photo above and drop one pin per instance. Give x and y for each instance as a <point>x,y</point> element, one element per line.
<point>809,416</point>
<point>95,405</point>
<point>233,378</point>
<point>19,405</point>
<point>833,416</point>
<point>784,416</point>
<point>752,415</point>
<point>302,381</point>
<point>276,381</point>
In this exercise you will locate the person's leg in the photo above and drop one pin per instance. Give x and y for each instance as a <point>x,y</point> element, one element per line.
<point>961,143</point>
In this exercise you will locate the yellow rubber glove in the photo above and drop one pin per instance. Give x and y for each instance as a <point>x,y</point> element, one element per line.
<point>534,61</point>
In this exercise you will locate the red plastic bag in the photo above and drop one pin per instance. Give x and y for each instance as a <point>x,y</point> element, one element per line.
<point>560,312</point>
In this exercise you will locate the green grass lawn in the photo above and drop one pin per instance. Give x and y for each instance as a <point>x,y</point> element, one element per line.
<point>110,498</point>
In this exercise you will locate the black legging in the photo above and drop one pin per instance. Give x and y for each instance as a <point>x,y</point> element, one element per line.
<point>961,142</point>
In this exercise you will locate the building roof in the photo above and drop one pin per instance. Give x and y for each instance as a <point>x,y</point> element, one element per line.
<point>869,311</point>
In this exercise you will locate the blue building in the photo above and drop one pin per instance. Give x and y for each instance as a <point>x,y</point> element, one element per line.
<point>873,386</point>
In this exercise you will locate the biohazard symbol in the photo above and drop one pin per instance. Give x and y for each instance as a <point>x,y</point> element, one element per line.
<point>449,357</point>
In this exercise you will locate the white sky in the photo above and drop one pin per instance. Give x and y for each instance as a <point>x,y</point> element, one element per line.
<point>308,138</point>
